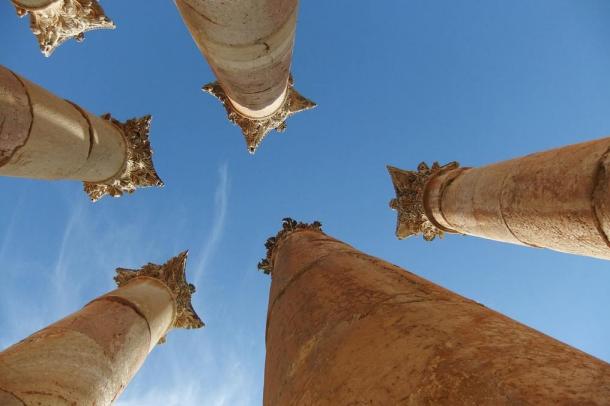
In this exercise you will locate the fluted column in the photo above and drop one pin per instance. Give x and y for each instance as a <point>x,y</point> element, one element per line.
<point>557,199</point>
<point>346,328</point>
<point>248,44</point>
<point>55,21</point>
<point>45,137</point>
<point>89,357</point>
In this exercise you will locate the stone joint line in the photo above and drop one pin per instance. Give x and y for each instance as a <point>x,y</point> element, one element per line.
<point>31,107</point>
<point>597,184</point>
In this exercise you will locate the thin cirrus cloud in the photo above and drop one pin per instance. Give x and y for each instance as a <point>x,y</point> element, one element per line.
<point>221,199</point>
<point>87,247</point>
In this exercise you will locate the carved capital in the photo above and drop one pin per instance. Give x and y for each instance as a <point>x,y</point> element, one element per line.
<point>289,226</point>
<point>64,19</point>
<point>253,129</point>
<point>409,201</point>
<point>138,170</point>
<point>173,275</point>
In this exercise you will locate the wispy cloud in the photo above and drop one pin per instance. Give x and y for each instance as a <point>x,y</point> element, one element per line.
<point>60,273</point>
<point>223,381</point>
<point>8,231</point>
<point>221,198</point>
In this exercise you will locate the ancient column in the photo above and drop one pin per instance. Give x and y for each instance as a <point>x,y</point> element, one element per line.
<point>346,328</point>
<point>45,137</point>
<point>55,21</point>
<point>248,44</point>
<point>89,357</point>
<point>557,199</point>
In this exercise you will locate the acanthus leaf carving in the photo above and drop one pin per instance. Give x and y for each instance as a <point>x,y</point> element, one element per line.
<point>173,275</point>
<point>138,170</point>
<point>409,201</point>
<point>289,226</point>
<point>64,19</point>
<point>256,129</point>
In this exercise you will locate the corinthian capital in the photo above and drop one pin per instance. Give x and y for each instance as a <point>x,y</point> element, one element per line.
<point>256,129</point>
<point>289,226</point>
<point>60,20</point>
<point>173,275</point>
<point>409,201</point>
<point>138,170</point>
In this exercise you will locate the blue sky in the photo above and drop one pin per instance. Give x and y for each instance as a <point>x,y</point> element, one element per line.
<point>396,83</point>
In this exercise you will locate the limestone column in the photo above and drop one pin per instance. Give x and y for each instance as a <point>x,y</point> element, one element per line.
<point>557,199</point>
<point>248,44</point>
<point>45,137</point>
<point>89,357</point>
<point>346,328</point>
<point>55,21</point>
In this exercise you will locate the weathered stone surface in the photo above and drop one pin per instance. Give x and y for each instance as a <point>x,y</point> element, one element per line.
<point>45,137</point>
<point>345,328</point>
<point>89,357</point>
<point>555,199</point>
<point>15,115</point>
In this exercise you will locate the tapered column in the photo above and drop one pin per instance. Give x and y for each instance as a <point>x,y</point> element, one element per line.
<point>345,328</point>
<point>89,357</point>
<point>45,137</point>
<point>248,44</point>
<point>55,21</point>
<point>557,199</point>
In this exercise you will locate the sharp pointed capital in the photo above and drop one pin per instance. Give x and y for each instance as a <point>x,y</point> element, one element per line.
<point>64,19</point>
<point>138,170</point>
<point>256,129</point>
<point>173,275</point>
<point>409,202</point>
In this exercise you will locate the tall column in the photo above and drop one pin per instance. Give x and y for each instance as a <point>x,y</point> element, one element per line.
<point>557,199</point>
<point>345,328</point>
<point>55,21</point>
<point>89,357</point>
<point>248,44</point>
<point>45,137</point>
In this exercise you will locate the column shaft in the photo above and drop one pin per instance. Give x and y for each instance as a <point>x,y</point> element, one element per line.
<point>89,357</point>
<point>347,328</point>
<point>248,44</point>
<point>45,137</point>
<point>556,199</point>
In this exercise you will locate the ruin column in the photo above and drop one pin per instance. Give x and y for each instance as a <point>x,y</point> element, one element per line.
<point>45,137</point>
<point>557,199</point>
<point>89,357</point>
<point>346,328</point>
<point>55,21</point>
<point>248,44</point>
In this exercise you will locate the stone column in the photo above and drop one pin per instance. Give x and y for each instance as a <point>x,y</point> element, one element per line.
<point>248,44</point>
<point>45,137</point>
<point>89,357</point>
<point>557,199</point>
<point>346,328</point>
<point>55,21</point>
